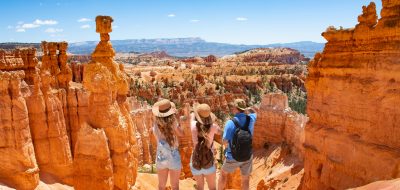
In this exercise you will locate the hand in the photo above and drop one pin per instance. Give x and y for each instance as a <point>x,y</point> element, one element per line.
<point>195,104</point>
<point>249,110</point>
<point>183,118</point>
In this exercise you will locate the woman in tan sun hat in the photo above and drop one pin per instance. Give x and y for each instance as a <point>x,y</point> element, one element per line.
<point>166,129</point>
<point>203,129</point>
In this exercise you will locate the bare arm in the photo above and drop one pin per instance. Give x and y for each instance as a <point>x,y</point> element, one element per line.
<point>250,110</point>
<point>225,143</point>
<point>219,130</point>
<point>178,130</point>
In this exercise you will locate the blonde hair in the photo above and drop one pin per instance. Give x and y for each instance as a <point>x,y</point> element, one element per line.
<point>165,126</point>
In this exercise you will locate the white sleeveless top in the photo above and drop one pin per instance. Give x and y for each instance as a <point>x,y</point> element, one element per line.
<point>159,136</point>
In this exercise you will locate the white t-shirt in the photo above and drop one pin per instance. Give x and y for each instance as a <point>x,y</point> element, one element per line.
<point>210,136</point>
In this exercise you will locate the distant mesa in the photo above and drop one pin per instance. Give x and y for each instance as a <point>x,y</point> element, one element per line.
<point>180,47</point>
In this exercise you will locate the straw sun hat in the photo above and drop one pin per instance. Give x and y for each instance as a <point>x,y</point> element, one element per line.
<point>203,114</point>
<point>240,104</point>
<point>163,108</point>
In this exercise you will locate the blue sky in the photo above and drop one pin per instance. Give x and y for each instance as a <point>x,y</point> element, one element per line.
<point>229,21</point>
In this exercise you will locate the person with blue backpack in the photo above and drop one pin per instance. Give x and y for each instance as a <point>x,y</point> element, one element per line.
<point>237,138</point>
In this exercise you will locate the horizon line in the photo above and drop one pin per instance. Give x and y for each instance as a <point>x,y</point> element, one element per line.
<point>165,38</point>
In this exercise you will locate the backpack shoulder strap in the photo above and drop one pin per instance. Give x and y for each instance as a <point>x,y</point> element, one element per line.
<point>247,124</point>
<point>236,122</point>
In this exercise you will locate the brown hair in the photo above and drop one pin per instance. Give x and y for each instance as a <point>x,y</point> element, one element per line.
<point>203,129</point>
<point>165,126</point>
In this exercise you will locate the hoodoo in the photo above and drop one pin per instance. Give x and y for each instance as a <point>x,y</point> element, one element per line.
<point>108,109</point>
<point>353,86</point>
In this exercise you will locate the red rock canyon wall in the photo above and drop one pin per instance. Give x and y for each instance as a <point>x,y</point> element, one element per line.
<point>353,88</point>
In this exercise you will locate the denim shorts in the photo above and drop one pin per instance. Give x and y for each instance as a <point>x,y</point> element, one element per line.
<point>167,157</point>
<point>207,171</point>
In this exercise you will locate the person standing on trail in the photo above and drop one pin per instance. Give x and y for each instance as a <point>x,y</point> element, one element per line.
<point>166,129</point>
<point>202,162</point>
<point>237,139</point>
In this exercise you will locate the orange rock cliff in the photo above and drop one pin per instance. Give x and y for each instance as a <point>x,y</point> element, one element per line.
<point>353,87</point>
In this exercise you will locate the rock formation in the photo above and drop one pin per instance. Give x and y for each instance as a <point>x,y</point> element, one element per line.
<point>45,115</point>
<point>353,86</point>
<point>46,106</point>
<point>273,55</point>
<point>143,120</point>
<point>277,123</point>
<point>185,141</point>
<point>56,64</point>
<point>93,168</point>
<point>108,109</point>
<point>18,166</point>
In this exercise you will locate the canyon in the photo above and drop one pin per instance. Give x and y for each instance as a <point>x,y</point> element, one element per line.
<point>85,121</point>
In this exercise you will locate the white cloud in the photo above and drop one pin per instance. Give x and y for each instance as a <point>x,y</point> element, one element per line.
<point>171,15</point>
<point>53,30</point>
<point>45,22</point>
<point>194,20</point>
<point>29,26</point>
<point>21,27</point>
<point>86,26</point>
<point>84,20</point>
<point>10,27</point>
<point>241,18</point>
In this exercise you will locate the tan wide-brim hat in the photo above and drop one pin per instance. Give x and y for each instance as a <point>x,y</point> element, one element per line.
<point>164,108</point>
<point>239,104</point>
<point>203,114</point>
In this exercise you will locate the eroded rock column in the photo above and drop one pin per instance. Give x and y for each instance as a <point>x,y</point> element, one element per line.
<point>18,166</point>
<point>108,108</point>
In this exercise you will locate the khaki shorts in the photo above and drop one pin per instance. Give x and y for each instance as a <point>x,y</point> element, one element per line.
<point>246,167</point>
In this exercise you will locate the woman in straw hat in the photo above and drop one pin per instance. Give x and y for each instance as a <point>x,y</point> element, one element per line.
<point>166,129</point>
<point>203,129</point>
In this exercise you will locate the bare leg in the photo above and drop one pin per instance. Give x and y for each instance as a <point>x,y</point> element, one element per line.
<point>211,178</point>
<point>162,178</point>
<point>199,181</point>
<point>174,178</point>
<point>245,182</point>
<point>222,180</point>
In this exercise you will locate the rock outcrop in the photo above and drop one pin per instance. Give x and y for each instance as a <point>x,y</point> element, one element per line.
<point>46,106</point>
<point>386,185</point>
<point>277,123</point>
<point>144,120</point>
<point>353,86</point>
<point>108,108</point>
<point>45,116</point>
<point>18,166</point>
<point>54,61</point>
<point>273,55</point>
<point>185,141</point>
<point>93,168</point>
